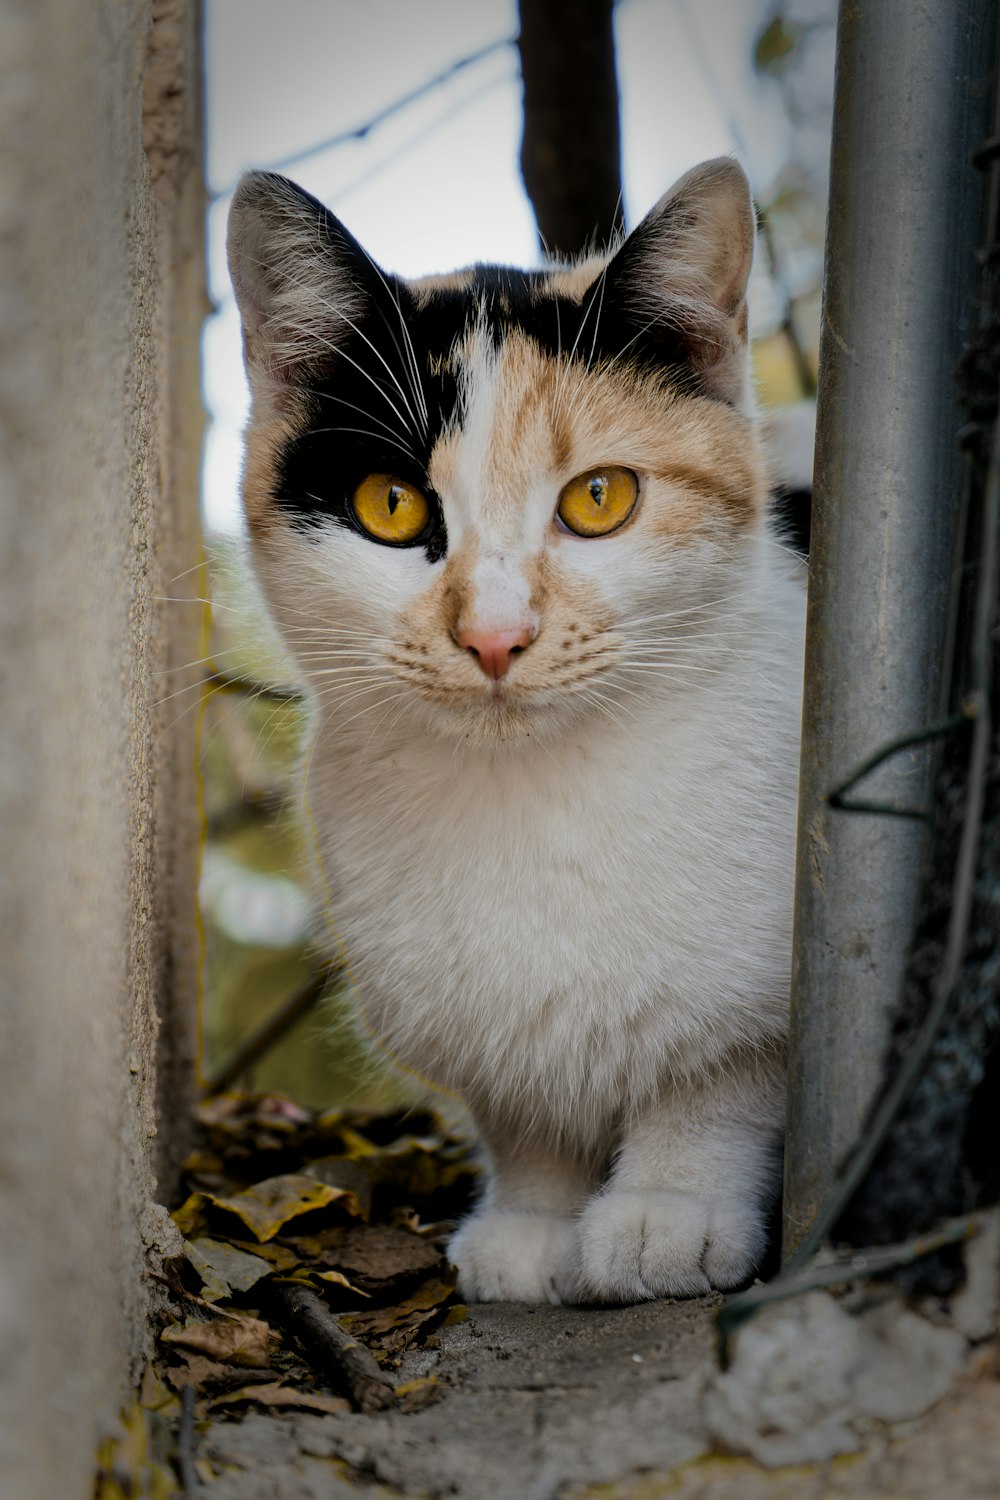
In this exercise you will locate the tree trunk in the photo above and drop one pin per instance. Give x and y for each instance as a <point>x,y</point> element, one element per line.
<point>570,150</point>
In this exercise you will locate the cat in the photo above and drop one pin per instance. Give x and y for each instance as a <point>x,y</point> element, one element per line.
<point>513,525</point>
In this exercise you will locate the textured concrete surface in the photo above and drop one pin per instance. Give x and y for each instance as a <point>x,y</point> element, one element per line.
<point>552,1404</point>
<point>533,1400</point>
<point>100,307</point>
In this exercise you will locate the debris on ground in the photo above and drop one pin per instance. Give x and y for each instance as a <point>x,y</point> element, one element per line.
<point>312,1347</point>
<point>313,1256</point>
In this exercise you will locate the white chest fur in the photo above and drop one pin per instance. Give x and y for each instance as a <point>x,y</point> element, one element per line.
<point>552,931</point>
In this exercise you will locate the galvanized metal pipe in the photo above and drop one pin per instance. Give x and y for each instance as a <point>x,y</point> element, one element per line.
<point>913,95</point>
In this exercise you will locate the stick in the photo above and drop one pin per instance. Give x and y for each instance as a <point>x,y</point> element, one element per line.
<point>190,1483</point>
<point>348,1365</point>
<point>271,1031</point>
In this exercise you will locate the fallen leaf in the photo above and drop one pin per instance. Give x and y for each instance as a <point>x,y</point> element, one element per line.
<point>395,1328</point>
<point>154,1395</point>
<point>224,1269</point>
<point>278,1395</point>
<point>236,1340</point>
<point>309,1276</point>
<point>279,1257</point>
<point>375,1257</point>
<point>268,1206</point>
<point>199,1371</point>
<point>192,1216</point>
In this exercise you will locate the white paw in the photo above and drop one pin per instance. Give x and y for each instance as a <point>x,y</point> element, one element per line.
<point>505,1256</point>
<point>635,1245</point>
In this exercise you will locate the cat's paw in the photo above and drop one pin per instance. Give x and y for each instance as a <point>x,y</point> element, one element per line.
<point>636,1245</point>
<point>506,1256</point>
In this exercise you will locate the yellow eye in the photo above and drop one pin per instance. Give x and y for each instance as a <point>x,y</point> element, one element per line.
<point>389,509</point>
<point>598,502</point>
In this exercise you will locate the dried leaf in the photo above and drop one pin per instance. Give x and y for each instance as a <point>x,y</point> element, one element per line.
<point>309,1276</point>
<point>199,1371</point>
<point>278,1395</point>
<point>395,1328</point>
<point>224,1269</point>
<point>334,1278</point>
<point>154,1395</point>
<point>278,1257</point>
<point>375,1257</point>
<point>236,1341</point>
<point>192,1216</point>
<point>268,1206</point>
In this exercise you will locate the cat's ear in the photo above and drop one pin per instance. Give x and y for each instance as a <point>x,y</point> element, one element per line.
<point>301,280</point>
<point>687,265</point>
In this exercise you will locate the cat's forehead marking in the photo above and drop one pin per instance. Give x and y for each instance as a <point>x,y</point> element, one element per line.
<point>504,446</point>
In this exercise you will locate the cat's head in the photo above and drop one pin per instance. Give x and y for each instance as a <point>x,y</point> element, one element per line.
<point>499,500</point>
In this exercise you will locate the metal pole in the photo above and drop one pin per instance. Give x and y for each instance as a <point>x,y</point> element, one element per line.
<point>913,94</point>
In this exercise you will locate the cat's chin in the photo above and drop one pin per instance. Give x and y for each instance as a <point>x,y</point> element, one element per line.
<point>501,718</point>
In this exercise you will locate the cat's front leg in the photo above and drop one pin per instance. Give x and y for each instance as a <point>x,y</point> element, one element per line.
<point>518,1245</point>
<point>685,1209</point>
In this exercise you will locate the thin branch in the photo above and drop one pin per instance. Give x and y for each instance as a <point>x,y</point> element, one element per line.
<point>270,1033</point>
<point>347,1365</point>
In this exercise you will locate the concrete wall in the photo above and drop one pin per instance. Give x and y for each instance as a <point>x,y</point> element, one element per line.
<point>101,297</point>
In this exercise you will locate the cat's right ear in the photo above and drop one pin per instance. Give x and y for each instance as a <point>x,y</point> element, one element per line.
<point>299,278</point>
<point>685,269</point>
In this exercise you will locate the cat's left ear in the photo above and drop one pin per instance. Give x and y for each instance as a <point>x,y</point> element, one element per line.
<point>686,268</point>
<point>303,283</point>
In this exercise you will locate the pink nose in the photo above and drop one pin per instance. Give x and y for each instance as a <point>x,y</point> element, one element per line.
<point>493,649</point>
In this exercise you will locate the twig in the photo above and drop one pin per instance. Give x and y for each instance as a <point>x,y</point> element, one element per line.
<point>842,1266</point>
<point>272,1030</point>
<point>348,1365</point>
<point>176,1290</point>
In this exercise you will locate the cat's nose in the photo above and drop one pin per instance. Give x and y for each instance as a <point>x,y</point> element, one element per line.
<point>493,649</point>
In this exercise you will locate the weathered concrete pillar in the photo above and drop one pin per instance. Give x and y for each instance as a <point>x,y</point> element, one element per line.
<point>101,299</point>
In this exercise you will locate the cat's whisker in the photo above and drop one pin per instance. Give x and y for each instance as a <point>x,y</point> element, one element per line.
<point>342,353</point>
<point>325,396</point>
<point>649,665</point>
<point>363,432</point>
<point>414,376</point>
<point>194,568</point>
<point>312,334</point>
<point>339,313</point>
<point>597,287</point>
<point>201,661</point>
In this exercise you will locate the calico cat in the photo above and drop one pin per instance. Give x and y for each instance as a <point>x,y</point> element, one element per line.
<point>513,527</point>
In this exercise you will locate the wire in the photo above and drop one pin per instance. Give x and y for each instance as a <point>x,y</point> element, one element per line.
<point>360,132</point>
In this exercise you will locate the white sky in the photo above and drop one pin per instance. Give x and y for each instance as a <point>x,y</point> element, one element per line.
<point>438,185</point>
